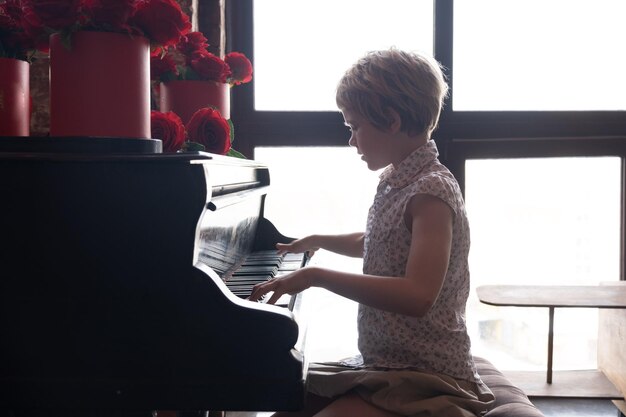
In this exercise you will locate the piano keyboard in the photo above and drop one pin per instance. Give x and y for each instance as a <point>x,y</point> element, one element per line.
<point>262,266</point>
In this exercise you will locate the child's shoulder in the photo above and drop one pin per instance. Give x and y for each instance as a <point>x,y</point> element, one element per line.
<point>439,177</point>
<point>440,184</point>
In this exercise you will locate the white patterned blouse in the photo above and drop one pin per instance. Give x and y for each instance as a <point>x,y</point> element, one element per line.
<point>437,342</point>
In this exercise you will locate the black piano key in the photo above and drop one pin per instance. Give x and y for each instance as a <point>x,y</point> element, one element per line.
<point>255,278</point>
<point>231,284</point>
<point>251,278</point>
<point>247,289</point>
<point>255,270</point>
<point>265,254</point>
<point>259,267</point>
<point>242,284</point>
<point>262,262</point>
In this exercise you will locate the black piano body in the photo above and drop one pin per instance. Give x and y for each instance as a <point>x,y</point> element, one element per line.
<point>112,292</point>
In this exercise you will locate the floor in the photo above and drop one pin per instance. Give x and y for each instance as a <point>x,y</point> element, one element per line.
<point>576,408</point>
<point>549,407</point>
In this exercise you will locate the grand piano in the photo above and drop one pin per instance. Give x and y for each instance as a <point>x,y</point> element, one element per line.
<point>124,273</point>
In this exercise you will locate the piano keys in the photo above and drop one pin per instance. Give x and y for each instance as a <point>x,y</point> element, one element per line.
<point>261,266</point>
<point>125,274</point>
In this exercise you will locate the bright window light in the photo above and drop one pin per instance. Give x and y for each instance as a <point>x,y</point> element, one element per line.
<point>541,221</point>
<point>539,55</point>
<point>302,48</point>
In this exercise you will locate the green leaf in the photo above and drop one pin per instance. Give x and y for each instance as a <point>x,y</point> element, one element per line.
<point>192,146</point>
<point>168,76</point>
<point>66,39</point>
<point>232,131</point>
<point>189,74</point>
<point>235,154</point>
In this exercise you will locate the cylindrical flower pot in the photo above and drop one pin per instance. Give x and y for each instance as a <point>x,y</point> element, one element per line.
<point>185,97</point>
<point>100,85</point>
<point>14,97</point>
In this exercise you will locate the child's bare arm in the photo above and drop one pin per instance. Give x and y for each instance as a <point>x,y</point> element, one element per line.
<point>414,294</point>
<point>348,244</point>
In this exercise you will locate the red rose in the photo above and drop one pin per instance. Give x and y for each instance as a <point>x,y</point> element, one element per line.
<point>8,26</point>
<point>14,41</point>
<point>36,32</point>
<point>6,23</point>
<point>169,128</point>
<point>192,42</point>
<point>12,9</point>
<point>161,21</point>
<point>208,128</point>
<point>8,41</point>
<point>161,65</point>
<point>54,14</point>
<point>109,14</point>
<point>240,66</point>
<point>209,67</point>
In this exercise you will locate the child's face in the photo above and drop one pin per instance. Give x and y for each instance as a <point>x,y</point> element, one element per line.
<point>368,140</point>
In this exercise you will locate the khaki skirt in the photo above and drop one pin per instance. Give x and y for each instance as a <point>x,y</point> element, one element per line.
<point>403,392</point>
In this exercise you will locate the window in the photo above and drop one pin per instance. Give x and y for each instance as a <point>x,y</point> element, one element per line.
<point>305,199</point>
<point>554,96</point>
<point>536,221</point>
<point>539,55</point>
<point>303,48</point>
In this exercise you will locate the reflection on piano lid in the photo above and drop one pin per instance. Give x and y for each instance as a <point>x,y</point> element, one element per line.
<point>115,285</point>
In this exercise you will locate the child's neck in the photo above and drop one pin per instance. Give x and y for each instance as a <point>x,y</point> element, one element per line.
<point>407,144</point>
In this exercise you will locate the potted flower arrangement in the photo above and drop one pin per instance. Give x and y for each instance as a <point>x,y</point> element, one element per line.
<point>99,60</point>
<point>189,77</point>
<point>206,131</point>
<point>17,49</point>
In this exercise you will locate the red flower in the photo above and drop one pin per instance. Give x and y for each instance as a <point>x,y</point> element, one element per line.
<point>109,14</point>
<point>208,128</point>
<point>162,65</point>
<point>12,9</point>
<point>9,43</point>
<point>209,67</point>
<point>169,128</point>
<point>192,42</point>
<point>54,14</point>
<point>240,66</point>
<point>195,62</point>
<point>162,21</point>
<point>15,42</point>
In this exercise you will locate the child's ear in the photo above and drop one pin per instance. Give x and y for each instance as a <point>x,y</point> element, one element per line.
<point>395,122</point>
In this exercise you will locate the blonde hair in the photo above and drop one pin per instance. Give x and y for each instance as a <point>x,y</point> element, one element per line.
<point>411,84</point>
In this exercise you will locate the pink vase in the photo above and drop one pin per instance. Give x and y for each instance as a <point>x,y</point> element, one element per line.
<point>14,97</point>
<point>185,97</point>
<point>100,85</point>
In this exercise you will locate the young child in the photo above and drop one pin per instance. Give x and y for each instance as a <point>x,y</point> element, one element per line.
<point>414,348</point>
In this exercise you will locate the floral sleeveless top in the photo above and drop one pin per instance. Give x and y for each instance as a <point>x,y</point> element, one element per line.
<point>437,342</point>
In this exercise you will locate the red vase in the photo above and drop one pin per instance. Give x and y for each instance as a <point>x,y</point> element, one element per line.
<point>100,85</point>
<point>14,97</point>
<point>185,97</point>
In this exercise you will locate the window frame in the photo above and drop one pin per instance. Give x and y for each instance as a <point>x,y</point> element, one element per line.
<point>461,135</point>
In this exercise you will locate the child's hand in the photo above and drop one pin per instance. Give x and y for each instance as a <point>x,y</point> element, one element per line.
<point>305,244</point>
<point>293,283</point>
